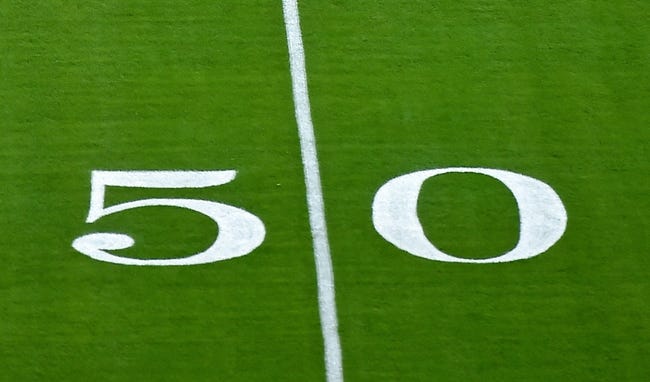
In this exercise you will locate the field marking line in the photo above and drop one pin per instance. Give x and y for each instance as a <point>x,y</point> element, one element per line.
<point>315,204</point>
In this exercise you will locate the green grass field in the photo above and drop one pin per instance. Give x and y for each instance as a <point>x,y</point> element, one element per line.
<point>556,90</point>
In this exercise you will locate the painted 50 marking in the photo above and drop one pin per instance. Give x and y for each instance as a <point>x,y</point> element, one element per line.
<point>542,215</point>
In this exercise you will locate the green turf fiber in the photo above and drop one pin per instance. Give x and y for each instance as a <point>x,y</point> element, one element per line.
<point>555,90</point>
<point>141,86</point>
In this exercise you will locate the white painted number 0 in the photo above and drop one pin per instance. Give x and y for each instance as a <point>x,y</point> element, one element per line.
<point>541,214</point>
<point>239,231</point>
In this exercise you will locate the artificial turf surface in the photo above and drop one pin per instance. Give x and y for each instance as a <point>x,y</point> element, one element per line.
<point>554,90</point>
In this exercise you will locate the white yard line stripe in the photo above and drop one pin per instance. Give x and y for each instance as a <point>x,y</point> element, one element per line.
<point>325,275</point>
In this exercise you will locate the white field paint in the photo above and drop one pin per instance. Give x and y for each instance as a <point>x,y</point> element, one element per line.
<point>324,272</point>
<point>542,215</point>
<point>240,232</point>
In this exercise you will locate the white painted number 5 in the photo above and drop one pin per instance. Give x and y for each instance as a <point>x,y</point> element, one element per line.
<point>240,232</point>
